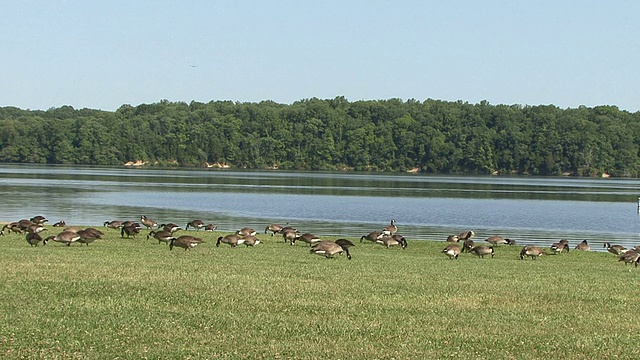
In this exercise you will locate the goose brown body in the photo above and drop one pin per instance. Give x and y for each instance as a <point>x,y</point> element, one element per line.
<point>65,237</point>
<point>196,224</point>
<point>531,251</point>
<point>372,236</point>
<point>452,251</point>
<point>232,240</point>
<point>187,242</point>
<point>161,236</point>
<point>615,249</point>
<point>583,246</point>
<point>329,249</point>
<point>482,250</point>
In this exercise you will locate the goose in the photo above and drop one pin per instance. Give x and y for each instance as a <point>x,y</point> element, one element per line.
<point>274,228</point>
<point>35,228</point>
<point>453,238</point>
<point>330,248</point>
<point>185,241</point>
<point>161,236</point>
<point>232,239</point>
<point>630,257</point>
<point>309,238</point>
<point>391,228</point>
<point>452,251</point>
<point>11,227</point>
<point>65,237</point>
<point>130,223</point>
<point>290,235</point>
<point>34,239</point>
<point>210,227</point>
<point>87,236</point>
<point>130,231</point>
<point>251,241</point>
<point>196,224</point>
<point>466,235</point>
<point>38,219</point>
<point>99,234</point>
<point>482,250</point>
<point>467,245</point>
<point>60,223</point>
<point>615,249</point>
<point>390,241</point>
<point>24,224</point>
<point>170,227</point>
<point>583,246</point>
<point>114,224</point>
<point>148,222</point>
<point>499,240</point>
<point>532,251</point>
<point>246,231</point>
<point>72,228</point>
<point>372,236</point>
<point>560,246</point>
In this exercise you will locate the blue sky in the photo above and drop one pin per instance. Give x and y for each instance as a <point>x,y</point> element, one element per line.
<point>102,54</point>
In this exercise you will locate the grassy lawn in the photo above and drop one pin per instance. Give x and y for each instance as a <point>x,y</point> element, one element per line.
<point>133,298</point>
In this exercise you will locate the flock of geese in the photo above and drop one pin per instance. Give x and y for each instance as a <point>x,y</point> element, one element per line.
<point>628,256</point>
<point>387,237</point>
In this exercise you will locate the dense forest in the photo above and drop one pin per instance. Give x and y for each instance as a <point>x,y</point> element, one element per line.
<point>334,134</point>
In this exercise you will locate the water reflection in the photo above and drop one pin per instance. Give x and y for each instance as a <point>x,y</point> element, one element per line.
<point>350,204</point>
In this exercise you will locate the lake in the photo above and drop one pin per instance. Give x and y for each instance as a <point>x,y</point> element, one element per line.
<point>530,210</point>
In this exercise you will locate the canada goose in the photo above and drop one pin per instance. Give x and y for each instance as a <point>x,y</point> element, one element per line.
<point>185,241</point>
<point>583,246</point>
<point>532,251</point>
<point>170,227</point>
<point>99,234</point>
<point>453,238</point>
<point>467,245</point>
<point>72,228</point>
<point>246,231</point>
<point>232,239</point>
<point>390,241</point>
<point>148,222</point>
<point>560,246</point>
<point>391,228</point>
<point>372,236</point>
<point>452,251</point>
<point>11,227</point>
<point>65,237</point>
<point>274,228</point>
<point>35,228</point>
<point>130,231</point>
<point>196,224</point>
<point>251,240</point>
<point>290,235</point>
<point>24,225</point>
<point>161,236</point>
<point>130,223</point>
<point>482,250</point>
<point>114,224</point>
<point>210,227</point>
<point>499,240</point>
<point>630,257</point>
<point>34,239</point>
<point>615,249</point>
<point>329,248</point>
<point>466,235</point>
<point>309,238</point>
<point>87,236</point>
<point>38,219</point>
<point>60,223</point>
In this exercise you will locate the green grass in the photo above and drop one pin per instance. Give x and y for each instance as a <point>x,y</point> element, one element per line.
<point>125,298</point>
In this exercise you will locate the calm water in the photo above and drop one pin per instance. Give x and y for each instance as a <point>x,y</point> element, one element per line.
<point>527,209</point>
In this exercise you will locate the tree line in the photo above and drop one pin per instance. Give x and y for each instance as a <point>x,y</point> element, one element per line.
<point>431,136</point>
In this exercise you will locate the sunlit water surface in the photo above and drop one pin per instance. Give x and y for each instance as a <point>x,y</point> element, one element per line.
<point>528,209</point>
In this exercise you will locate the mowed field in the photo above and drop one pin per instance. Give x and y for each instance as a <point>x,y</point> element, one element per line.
<point>133,298</point>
